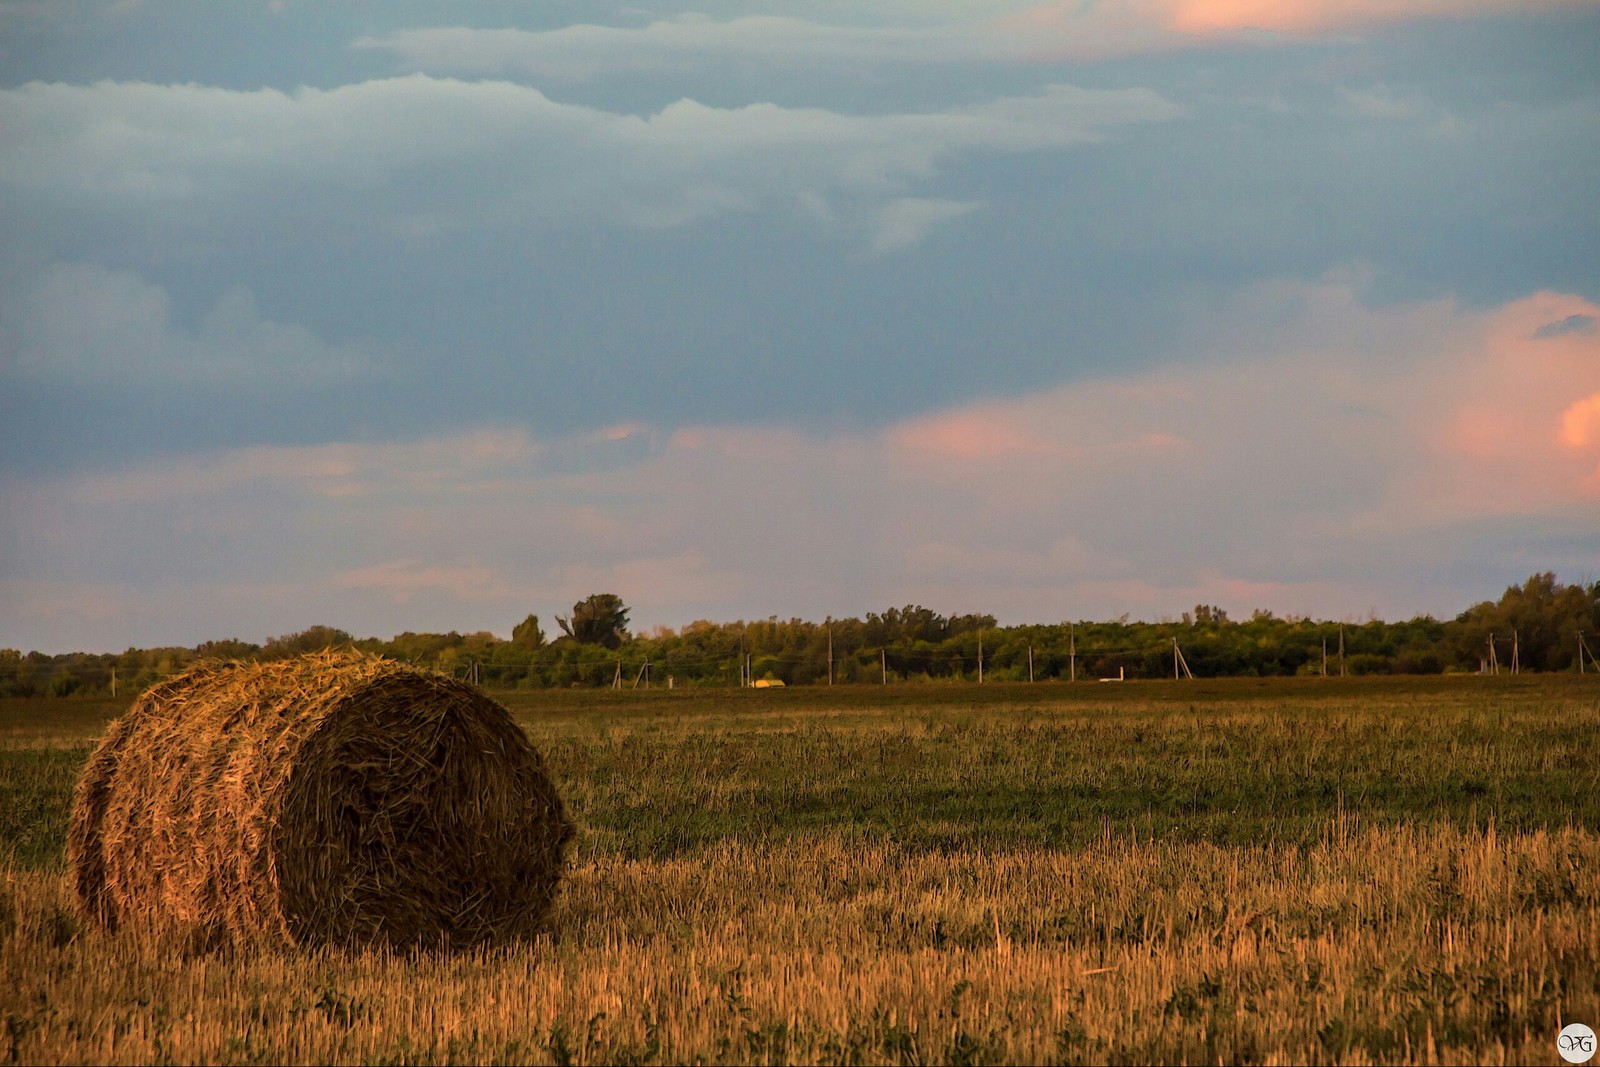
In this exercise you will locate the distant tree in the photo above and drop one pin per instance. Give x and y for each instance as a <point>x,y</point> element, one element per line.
<point>601,619</point>
<point>313,639</point>
<point>527,633</point>
<point>1544,616</point>
<point>228,648</point>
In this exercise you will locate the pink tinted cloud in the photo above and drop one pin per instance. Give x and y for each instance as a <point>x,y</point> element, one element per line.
<point>338,469</point>
<point>1320,16</point>
<point>684,578</point>
<point>1082,427</point>
<point>1308,429</point>
<point>1580,423</point>
<point>1515,425</point>
<point>1073,29</point>
<point>402,579</point>
<point>972,434</point>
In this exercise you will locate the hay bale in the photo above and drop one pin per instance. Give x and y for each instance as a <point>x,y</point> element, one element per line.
<point>335,798</point>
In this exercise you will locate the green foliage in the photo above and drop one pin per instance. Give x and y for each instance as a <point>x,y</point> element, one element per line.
<point>1536,624</point>
<point>313,639</point>
<point>600,619</point>
<point>528,634</point>
<point>232,648</point>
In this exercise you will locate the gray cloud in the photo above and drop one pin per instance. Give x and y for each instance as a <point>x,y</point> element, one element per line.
<point>81,323</point>
<point>439,153</point>
<point>905,221</point>
<point>920,36</point>
<point>682,43</point>
<point>1584,324</point>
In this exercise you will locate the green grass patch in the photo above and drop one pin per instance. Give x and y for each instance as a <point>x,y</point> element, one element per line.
<point>658,774</point>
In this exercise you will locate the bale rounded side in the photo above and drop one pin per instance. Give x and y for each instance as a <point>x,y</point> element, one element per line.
<point>330,798</point>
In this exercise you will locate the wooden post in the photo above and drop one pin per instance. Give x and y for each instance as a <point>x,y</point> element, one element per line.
<point>980,657</point>
<point>883,662</point>
<point>1030,664</point>
<point>1324,657</point>
<point>114,670</point>
<point>830,655</point>
<point>1072,655</point>
<point>1341,651</point>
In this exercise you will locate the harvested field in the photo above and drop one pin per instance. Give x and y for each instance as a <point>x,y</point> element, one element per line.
<point>1388,873</point>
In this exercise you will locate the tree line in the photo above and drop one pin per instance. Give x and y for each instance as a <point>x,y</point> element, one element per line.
<point>1540,625</point>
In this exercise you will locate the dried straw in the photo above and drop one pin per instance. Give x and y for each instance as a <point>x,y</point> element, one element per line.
<point>334,798</point>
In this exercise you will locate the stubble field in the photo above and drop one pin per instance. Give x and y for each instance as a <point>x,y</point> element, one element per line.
<point>1328,870</point>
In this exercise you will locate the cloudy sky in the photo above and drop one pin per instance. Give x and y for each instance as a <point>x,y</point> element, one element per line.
<point>427,316</point>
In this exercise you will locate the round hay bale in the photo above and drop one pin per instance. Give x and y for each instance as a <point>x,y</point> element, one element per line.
<point>335,798</point>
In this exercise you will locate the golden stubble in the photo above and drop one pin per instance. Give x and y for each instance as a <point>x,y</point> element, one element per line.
<point>1406,944</point>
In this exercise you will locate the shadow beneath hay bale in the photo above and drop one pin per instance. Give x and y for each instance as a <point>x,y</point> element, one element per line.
<point>334,799</point>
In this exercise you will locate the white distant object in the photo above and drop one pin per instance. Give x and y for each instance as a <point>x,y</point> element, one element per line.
<point>769,683</point>
<point>1122,676</point>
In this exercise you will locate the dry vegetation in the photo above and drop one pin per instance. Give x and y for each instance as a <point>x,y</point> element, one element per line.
<point>331,797</point>
<point>1357,874</point>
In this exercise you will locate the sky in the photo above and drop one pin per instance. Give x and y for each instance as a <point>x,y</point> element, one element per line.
<point>428,316</point>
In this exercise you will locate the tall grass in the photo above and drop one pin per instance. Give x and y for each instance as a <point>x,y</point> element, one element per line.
<point>1400,874</point>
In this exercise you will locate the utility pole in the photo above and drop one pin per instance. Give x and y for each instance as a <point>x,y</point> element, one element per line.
<point>1580,664</point>
<point>1583,647</point>
<point>1494,661</point>
<point>1341,651</point>
<point>1072,654</point>
<point>883,662</point>
<point>1324,657</point>
<point>830,655</point>
<point>1030,664</point>
<point>616,683</point>
<point>1580,667</point>
<point>1516,659</point>
<point>980,657</point>
<point>1174,659</point>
